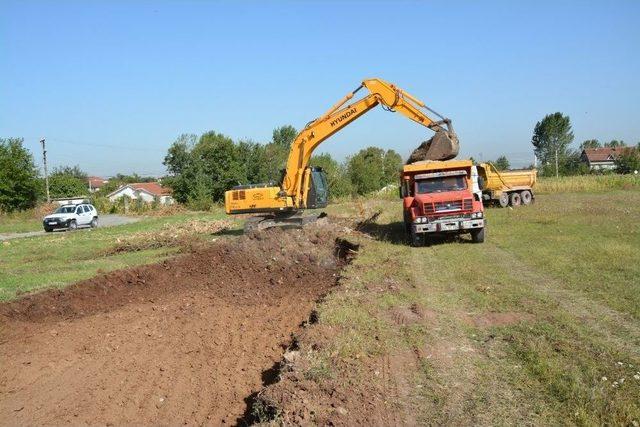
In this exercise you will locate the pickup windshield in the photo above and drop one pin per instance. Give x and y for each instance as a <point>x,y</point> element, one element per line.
<point>441,184</point>
<point>66,209</point>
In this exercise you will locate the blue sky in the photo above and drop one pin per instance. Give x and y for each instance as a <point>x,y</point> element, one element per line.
<point>112,84</point>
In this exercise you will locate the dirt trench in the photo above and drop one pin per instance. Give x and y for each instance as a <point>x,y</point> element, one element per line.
<point>188,341</point>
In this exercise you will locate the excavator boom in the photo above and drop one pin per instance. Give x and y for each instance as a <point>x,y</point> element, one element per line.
<point>300,182</point>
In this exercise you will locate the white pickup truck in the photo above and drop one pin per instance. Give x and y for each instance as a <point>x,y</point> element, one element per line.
<point>71,217</point>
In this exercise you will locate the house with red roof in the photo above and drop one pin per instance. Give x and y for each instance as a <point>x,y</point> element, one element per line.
<point>602,158</point>
<point>146,191</point>
<point>95,183</point>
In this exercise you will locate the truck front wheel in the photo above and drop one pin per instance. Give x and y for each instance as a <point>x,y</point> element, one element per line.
<point>417,239</point>
<point>477,235</point>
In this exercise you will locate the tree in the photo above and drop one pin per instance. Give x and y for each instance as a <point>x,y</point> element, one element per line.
<point>256,167</point>
<point>202,172</point>
<point>392,163</point>
<point>615,143</point>
<point>19,185</point>
<point>590,143</point>
<point>628,161</point>
<point>372,168</point>
<point>68,182</point>
<point>551,138</point>
<point>277,151</point>
<point>337,177</point>
<point>572,164</point>
<point>179,154</point>
<point>502,163</point>
<point>284,136</point>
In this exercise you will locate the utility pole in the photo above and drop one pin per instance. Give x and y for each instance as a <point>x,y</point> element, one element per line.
<point>46,174</point>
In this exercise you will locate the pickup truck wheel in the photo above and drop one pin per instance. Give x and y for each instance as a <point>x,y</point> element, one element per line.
<point>94,223</point>
<point>73,225</point>
<point>526,197</point>
<point>504,200</point>
<point>477,236</point>
<point>514,199</point>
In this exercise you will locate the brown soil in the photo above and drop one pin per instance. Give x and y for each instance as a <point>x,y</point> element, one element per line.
<point>190,340</point>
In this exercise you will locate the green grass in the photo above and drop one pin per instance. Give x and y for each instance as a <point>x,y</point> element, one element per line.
<point>19,223</point>
<point>587,183</point>
<point>521,329</point>
<point>58,259</point>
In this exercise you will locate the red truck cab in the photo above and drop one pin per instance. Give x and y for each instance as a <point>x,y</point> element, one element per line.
<point>442,198</point>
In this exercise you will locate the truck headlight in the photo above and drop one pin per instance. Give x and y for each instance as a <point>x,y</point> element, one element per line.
<point>477,215</point>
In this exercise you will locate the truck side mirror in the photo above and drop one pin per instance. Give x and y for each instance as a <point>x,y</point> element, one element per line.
<point>404,189</point>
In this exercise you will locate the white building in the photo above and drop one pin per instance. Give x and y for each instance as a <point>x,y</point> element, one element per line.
<point>145,191</point>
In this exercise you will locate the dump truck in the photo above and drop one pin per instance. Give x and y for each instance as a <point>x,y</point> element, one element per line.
<point>441,197</point>
<point>506,188</point>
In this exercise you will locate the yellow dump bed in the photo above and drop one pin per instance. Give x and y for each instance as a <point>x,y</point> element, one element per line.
<point>506,180</point>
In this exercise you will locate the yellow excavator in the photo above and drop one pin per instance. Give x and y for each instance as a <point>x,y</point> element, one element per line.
<point>305,187</point>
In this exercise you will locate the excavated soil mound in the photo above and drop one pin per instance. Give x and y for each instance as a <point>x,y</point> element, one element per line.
<point>187,341</point>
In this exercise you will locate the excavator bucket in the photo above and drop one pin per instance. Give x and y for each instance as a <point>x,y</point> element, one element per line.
<point>444,145</point>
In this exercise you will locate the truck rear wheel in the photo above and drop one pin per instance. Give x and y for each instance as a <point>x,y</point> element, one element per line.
<point>477,235</point>
<point>526,197</point>
<point>504,200</point>
<point>514,199</point>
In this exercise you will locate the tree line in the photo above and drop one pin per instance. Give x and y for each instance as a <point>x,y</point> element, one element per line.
<point>22,187</point>
<point>552,142</point>
<point>202,168</point>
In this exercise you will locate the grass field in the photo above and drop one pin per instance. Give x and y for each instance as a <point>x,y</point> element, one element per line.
<point>61,258</point>
<point>587,183</point>
<point>539,325</point>
<point>19,223</point>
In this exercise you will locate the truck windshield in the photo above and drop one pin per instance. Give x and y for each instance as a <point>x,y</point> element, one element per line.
<point>442,184</point>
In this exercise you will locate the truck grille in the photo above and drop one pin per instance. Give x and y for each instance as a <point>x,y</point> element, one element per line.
<point>450,206</point>
<point>428,208</point>
<point>454,205</point>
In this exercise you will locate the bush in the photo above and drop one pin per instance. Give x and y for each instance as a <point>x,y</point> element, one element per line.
<point>19,185</point>
<point>628,161</point>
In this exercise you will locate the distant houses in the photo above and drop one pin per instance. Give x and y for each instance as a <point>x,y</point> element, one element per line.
<point>96,183</point>
<point>146,191</point>
<point>602,158</point>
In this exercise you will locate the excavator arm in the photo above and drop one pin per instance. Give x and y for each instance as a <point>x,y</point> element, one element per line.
<point>339,116</point>
<point>292,193</point>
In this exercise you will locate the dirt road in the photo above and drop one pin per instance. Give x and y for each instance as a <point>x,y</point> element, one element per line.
<point>104,221</point>
<point>190,340</point>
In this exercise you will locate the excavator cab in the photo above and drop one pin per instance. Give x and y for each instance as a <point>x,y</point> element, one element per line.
<point>318,193</point>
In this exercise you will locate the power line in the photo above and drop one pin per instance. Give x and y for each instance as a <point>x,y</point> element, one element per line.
<point>117,147</point>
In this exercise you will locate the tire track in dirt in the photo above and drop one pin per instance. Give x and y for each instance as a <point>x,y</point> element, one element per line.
<point>185,341</point>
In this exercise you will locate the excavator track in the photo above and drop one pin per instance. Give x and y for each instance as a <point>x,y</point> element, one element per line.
<point>264,222</point>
